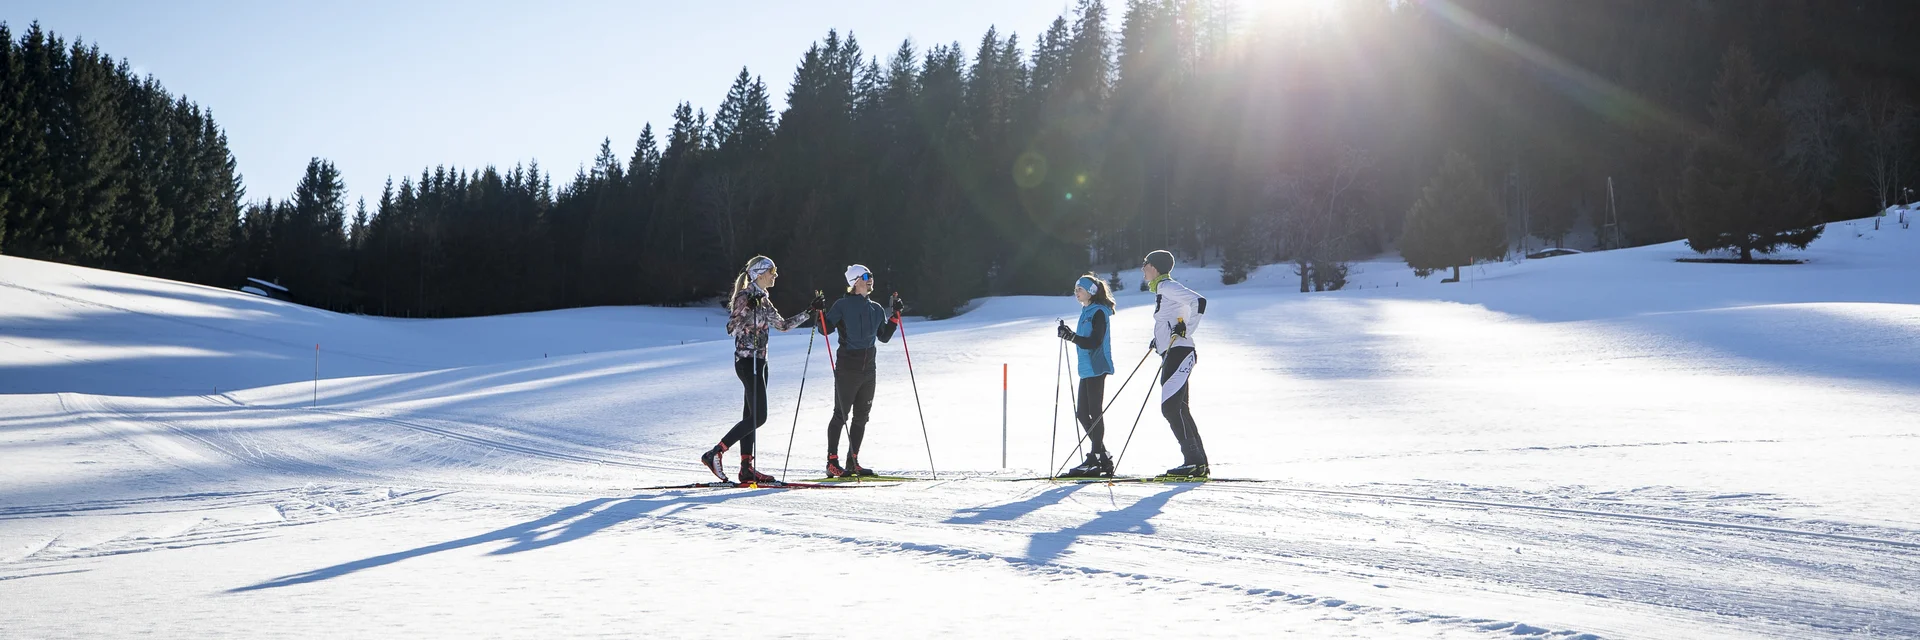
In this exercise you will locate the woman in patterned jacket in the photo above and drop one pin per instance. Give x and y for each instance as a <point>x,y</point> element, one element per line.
<point>749,316</point>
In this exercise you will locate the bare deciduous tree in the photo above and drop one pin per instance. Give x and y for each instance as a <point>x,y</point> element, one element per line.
<point>1884,120</point>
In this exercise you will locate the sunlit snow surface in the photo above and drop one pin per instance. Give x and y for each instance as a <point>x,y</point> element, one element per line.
<point>1610,444</point>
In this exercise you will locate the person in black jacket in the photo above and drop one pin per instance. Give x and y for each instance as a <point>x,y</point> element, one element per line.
<point>860,321</point>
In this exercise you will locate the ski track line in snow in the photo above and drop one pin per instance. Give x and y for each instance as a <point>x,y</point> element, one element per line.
<point>1764,604</point>
<point>541,432</point>
<point>1767,604</point>
<point>199,533</point>
<point>1622,445</point>
<point>537,452</point>
<point>1274,487</point>
<point>42,575</point>
<point>1265,486</point>
<point>1567,447</point>
<point>1406,616</point>
<point>155,445</point>
<point>71,508</point>
<point>134,428</point>
<point>246,454</point>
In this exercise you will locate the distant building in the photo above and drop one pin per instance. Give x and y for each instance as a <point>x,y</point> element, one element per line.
<point>266,289</point>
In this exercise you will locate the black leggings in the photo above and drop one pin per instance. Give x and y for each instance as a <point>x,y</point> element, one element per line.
<point>753,376</point>
<point>1175,367</point>
<point>852,394</point>
<point>1093,391</point>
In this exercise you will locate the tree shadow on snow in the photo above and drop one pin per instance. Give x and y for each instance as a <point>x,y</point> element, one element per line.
<point>566,525</point>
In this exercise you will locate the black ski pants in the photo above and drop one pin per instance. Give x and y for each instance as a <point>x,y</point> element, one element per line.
<point>753,412</point>
<point>1175,367</point>
<point>853,382</point>
<point>1093,391</point>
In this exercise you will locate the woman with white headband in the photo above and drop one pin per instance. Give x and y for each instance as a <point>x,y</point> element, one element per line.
<point>749,316</point>
<point>1093,340</point>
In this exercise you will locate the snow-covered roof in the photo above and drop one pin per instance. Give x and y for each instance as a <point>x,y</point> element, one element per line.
<point>264,283</point>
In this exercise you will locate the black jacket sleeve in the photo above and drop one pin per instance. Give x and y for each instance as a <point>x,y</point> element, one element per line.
<point>887,327</point>
<point>1098,335</point>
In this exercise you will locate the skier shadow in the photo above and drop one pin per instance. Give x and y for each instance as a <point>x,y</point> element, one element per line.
<point>1046,547</point>
<point>1013,510</point>
<point>566,525</point>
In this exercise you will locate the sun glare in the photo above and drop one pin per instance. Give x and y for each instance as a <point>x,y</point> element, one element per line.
<point>1286,11</point>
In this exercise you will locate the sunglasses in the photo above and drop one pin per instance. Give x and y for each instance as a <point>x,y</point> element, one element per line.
<point>867,277</point>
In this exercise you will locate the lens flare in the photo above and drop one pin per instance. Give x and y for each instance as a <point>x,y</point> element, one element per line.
<point>1029,170</point>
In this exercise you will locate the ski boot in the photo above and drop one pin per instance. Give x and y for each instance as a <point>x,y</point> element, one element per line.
<point>1097,465</point>
<point>855,470</point>
<point>833,467</point>
<point>1195,470</point>
<point>713,462</point>
<point>750,475</point>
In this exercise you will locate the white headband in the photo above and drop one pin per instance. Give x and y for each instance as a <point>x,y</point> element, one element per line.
<point>758,267</point>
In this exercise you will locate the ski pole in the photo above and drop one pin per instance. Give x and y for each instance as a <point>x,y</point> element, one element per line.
<point>754,401</point>
<point>1059,356</point>
<point>1073,403</point>
<point>916,392</point>
<point>796,407</point>
<point>1136,423</point>
<point>828,341</point>
<point>1116,398</point>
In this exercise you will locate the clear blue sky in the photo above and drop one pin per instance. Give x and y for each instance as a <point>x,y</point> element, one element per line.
<point>388,88</point>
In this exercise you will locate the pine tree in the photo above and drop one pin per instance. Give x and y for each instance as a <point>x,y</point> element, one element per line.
<point>14,127</point>
<point>1738,192</point>
<point>357,235</point>
<point>141,223</point>
<point>1455,222</point>
<point>34,199</point>
<point>644,166</point>
<point>88,153</point>
<point>309,237</point>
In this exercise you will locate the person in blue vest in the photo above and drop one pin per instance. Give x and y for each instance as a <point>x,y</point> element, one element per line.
<point>1093,340</point>
<point>860,321</point>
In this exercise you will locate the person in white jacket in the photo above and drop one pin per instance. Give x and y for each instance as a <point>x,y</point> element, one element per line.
<point>1177,312</point>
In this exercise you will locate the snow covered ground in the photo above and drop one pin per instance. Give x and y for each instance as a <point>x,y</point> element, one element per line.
<point>1601,445</point>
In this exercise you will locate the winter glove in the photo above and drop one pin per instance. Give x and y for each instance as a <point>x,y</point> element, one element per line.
<point>1153,344</point>
<point>819,302</point>
<point>898,304</point>
<point>754,297</point>
<point>1065,333</point>
<point>1180,328</point>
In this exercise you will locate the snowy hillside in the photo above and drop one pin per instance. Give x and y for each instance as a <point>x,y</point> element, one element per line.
<point>1601,445</point>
